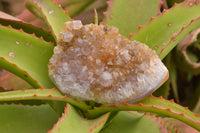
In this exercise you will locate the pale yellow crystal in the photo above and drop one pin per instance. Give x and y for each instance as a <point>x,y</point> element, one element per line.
<point>95,62</point>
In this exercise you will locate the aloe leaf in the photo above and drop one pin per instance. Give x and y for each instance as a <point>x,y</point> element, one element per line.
<point>187,53</point>
<point>78,7</point>
<point>178,126</point>
<point>168,29</point>
<point>173,79</point>
<point>170,3</point>
<point>133,122</point>
<point>163,90</point>
<point>87,19</point>
<point>195,99</point>
<point>71,121</point>
<point>12,82</point>
<point>26,56</point>
<point>41,94</point>
<point>197,107</point>
<point>127,15</point>
<point>26,119</point>
<point>155,105</point>
<point>28,28</point>
<point>54,16</point>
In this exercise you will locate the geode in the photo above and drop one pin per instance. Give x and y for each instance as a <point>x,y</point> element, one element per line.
<point>96,63</point>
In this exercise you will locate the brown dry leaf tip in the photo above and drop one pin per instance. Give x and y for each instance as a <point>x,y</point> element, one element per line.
<point>94,62</point>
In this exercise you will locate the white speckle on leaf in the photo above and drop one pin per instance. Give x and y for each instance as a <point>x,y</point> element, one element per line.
<point>17,42</point>
<point>11,54</point>
<point>51,12</point>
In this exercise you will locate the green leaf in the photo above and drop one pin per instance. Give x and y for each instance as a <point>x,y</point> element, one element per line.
<point>54,16</point>
<point>78,7</point>
<point>28,28</point>
<point>197,107</point>
<point>155,105</point>
<point>26,119</point>
<point>41,94</point>
<point>127,15</point>
<point>173,78</point>
<point>178,126</point>
<point>194,102</point>
<point>72,122</point>
<point>133,122</point>
<point>168,29</point>
<point>163,90</point>
<point>26,56</point>
<point>170,3</point>
<point>12,82</point>
<point>187,53</point>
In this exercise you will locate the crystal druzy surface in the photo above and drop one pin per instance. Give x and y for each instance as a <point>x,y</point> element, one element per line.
<point>94,62</point>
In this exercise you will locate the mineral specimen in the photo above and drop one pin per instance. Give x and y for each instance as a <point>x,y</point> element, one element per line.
<point>96,63</point>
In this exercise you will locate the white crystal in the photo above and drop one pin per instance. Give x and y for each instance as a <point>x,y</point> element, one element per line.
<point>65,67</point>
<point>70,78</point>
<point>57,50</point>
<point>68,23</point>
<point>84,69</point>
<point>52,60</point>
<point>144,66</point>
<point>140,78</point>
<point>67,37</point>
<point>103,66</point>
<point>106,79</point>
<point>85,50</point>
<point>99,70</point>
<point>86,29</point>
<point>125,54</point>
<point>98,61</point>
<point>76,24</point>
<point>80,40</point>
<point>115,30</point>
<point>90,58</point>
<point>93,35</point>
<point>115,74</point>
<point>110,63</point>
<point>119,60</point>
<point>90,77</point>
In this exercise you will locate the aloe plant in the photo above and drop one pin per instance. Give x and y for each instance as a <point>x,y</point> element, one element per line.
<point>25,51</point>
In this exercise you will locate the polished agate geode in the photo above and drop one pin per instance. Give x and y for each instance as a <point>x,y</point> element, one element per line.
<point>96,63</point>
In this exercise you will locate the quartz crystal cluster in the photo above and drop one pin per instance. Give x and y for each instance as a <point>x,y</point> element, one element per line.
<point>94,62</point>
